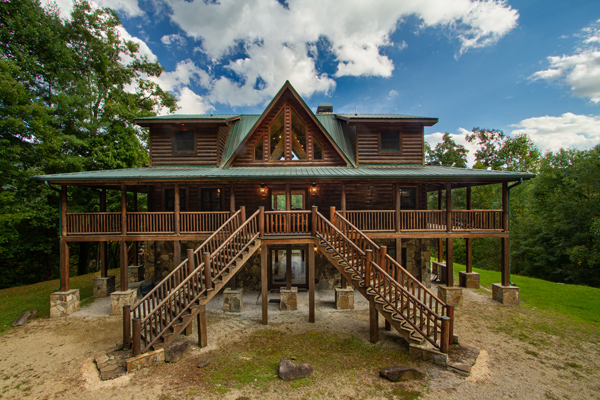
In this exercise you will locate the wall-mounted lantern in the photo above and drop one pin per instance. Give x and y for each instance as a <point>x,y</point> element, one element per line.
<point>263,189</point>
<point>313,188</point>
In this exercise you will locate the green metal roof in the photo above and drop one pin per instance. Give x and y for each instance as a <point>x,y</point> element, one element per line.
<point>207,173</point>
<point>381,116</point>
<point>171,117</point>
<point>238,132</point>
<point>334,128</point>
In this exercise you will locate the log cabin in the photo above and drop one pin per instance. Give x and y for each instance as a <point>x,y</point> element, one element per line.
<point>284,200</point>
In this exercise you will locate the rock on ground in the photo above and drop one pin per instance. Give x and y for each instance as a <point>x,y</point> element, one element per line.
<point>176,353</point>
<point>399,373</point>
<point>289,371</point>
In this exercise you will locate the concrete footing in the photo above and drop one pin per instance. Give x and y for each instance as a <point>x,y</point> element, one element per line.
<point>64,303</point>
<point>508,295</point>
<point>289,299</point>
<point>120,299</point>
<point>451,295</point>
<point>469,280</point>
<point>103,287</point>
<point>233,300</point>
<point>344,298</point>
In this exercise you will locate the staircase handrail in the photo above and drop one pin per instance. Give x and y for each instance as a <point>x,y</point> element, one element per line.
<point>180,269</point>
<point>389,258</point>
<point>198,272</point>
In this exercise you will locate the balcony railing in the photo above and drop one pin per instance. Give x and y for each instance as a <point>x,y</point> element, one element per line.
<point>292,222</point>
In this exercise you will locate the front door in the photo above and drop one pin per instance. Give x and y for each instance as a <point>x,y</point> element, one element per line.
<point>282,257</point>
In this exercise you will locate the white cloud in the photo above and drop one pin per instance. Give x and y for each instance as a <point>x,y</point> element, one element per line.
<point>175,39</point>
<point>191,103</point>
<point>568,130</point>
<point>460,138</point>
<point>278,41</point>
<point>581,70</point>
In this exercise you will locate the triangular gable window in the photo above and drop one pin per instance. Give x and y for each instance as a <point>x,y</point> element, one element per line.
<point>289,139</point>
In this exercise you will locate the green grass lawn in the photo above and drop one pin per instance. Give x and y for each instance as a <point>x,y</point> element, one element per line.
<point>15,301</point>
<point>576,301</point>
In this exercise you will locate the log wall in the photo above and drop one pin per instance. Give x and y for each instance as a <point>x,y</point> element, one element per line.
<point>411,144</point>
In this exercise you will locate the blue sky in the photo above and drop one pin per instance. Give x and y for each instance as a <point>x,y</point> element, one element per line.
<point>520,66</point>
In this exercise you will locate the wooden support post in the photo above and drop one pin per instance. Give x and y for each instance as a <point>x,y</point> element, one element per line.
<point>469,241</point>
<point>440,249</point>
<point>63,210</point>
<point>191,264</point>
<point>448,207</point>
<point>261,221</point>
<point>368,259</point>
<point>176,253</point>
<point>332,215</point>
<point>399,251</point>
<point>313,228</point>
<point>311,283</point>
<point>343,200</point>
<point>124,267</point>
<point>288,197</point>
<point>505,249</point>
<point>243,214</point>
<point>382,259</point>
<point>137,337</point>
<point>103,266</point>
<point>201,320</point>
<point>177,209</point>
<point>397,205</point>
<point>264,283</point>
<point>231,199</point>
<point>449,262</point>
<point>127,326</point>
<point>445,335</point>
<point>123,209</point>
<point>207,274</point>
<point>64,266</point>
<point>373,323</point>
<point>288,267</point>
<point>451,323</point>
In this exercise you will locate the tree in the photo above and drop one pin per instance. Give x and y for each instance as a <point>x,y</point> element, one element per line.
<point>447,153</point>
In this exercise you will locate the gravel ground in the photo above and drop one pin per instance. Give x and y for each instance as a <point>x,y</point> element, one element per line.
<point>525,354</point>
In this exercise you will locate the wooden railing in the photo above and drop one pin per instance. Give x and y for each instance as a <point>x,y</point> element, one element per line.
<point>422,310</point>
<point>166,302</point>
<point>150,222</point>
<point>202,222</point>
<point>477,220</point>
<point>372,221</point>
<point>423,220</point>
<point>94,223</point>
<point>287,222</point>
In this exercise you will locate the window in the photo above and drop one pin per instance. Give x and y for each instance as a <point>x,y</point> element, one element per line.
<point>278,201</point>
<point>170,200</point>
<point>276,137</point>
<point>211,199</point>
<point>317,149</point>
<point>183,142</point>
<point>298,138</point>
<point>389,140</point>
<point>408,198</point>
<point>258,150</point>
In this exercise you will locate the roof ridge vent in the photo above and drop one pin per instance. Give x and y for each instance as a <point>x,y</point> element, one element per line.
<point>325,108</point>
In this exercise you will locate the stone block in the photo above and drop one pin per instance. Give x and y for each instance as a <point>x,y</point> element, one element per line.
<point>135,273</point>
<point>439,269</point>
<point>146,360</point>
<point>233,300</point>
<point>120,299</point>
<point>64,303</point>
<point>103,287</point>
<point>451,295</point>
<point>508,295</point>
<point>344,298</point>
<point>289,299</point>
<point>468,280</point>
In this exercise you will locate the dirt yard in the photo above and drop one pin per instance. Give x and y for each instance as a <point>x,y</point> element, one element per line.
<point>525,354</point>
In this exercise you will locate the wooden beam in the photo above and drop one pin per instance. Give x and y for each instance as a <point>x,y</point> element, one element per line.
<point>311,283</point>
<point>373,323</point>
<point>288,267</point>
<point>399,251</point>
<point>123,266</point>
<point>103,250</point>
<point>448,207</point>
<point>397,205</point>
<point>264,282</point>
<point>449,262</point>
<point>64,266</point>
<point>201,321</point>
<point>469,251</point>
<point>123,209</point>
<point>177,209</point>
<point>63,210</point>
<point>504,258</point>
<point>176,253</point>
<point>231,199</point>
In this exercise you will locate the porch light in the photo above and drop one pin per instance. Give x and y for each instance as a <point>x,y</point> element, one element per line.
<point>263,189</point>
<point>313,188</point>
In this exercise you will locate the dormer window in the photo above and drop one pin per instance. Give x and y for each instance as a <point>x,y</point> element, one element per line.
<point>389,140</point>
<point>183,142</point>
<point>288,139</point>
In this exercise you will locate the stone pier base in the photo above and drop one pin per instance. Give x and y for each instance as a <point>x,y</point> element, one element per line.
<point>146,360</point>
<point>233,300</point>
<point>120,299</point>
<point>135,273</point>
<point>64,303</point>
<point>468,280</point>
<point>344,298</point>
<point>508,295</point>
<point>289,299</point>
<point>103,287</point>
<point>451,295</point>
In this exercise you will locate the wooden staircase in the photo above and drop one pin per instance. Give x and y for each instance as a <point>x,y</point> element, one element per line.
<point>168,310</point>
<point>412,309</point>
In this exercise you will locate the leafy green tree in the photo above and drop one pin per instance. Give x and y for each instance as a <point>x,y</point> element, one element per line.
<point>447,153</point>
